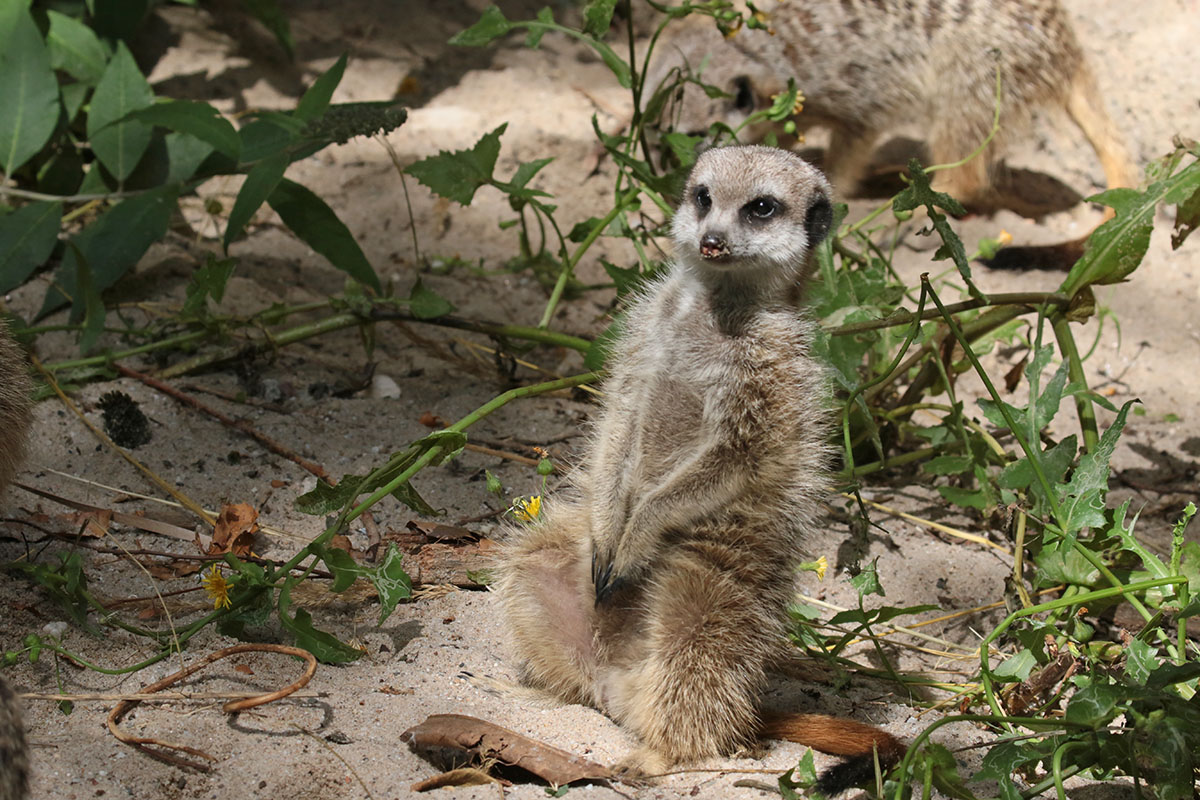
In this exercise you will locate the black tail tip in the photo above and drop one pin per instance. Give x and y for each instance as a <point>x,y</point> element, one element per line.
<point>846,775</point>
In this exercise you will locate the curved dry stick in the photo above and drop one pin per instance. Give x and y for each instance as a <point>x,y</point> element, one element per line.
<point>233,706</point>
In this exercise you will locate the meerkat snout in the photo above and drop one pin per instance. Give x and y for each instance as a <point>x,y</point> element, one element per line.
<point>712,246</point>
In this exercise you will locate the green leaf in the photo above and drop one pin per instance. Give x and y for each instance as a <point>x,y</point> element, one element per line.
<point>407,494</point>
<point>602,345</point>
<point>866,582</point>
<point>119,142</point>
<point>921,193</point>
<point>947,465</point>
<point>1140,660</point>
<point>28,89</point>
<point>325,499</point>
<point>316,99</point>
<point>261,181</point>
<point>458,175</point>
<point>112,245</point>
<point>185,154</point>
<point>491,24</point>
<point>967,498</point>
<point>263,138</point>
<point>424,303</point>
<point>451,442</point>
<point>208,281</point>
<point>1082,500</point>
<point>1093,705</point>
<point>88,304</point>
<point>27,238</point>
<point>391,582</point>
<point>1016,667</point>
<point>326,647</point>
<point>597,17</point>
<point>525,171</point>
<point>1115,249</point>
<point>318,226</point>
<point>75,48</point>
<point>269,14</point>
<point>198,119</point>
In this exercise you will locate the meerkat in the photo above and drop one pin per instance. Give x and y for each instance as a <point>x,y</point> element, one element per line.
<point>868,67</point>
<point>15,419</point>
<point>656,589</point>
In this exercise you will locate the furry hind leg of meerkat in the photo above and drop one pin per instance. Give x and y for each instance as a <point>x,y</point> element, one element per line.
<point>15,419</point>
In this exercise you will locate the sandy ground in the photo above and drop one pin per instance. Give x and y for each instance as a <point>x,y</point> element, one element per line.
<point>344,740</point>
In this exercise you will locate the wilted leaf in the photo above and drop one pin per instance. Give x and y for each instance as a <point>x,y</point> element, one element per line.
<point>234,531</point>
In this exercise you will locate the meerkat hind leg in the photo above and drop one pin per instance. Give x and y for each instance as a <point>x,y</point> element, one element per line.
<point>547,596</point>
<point>693,692</point>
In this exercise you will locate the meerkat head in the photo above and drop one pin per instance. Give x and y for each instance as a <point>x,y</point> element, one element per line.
<point>751,215</point>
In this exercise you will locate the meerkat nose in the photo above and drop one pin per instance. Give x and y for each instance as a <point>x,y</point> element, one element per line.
<point>712,245</point>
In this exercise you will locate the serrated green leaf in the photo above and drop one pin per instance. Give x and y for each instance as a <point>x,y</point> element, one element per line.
<point>318,226</point>
<point>627,279</point>
<point>1140,661</point>
<point>112,245</point>
<point>424,303</point>
<point>1082,499</point>
<point>198,119</point>
<point>28,89</point>
<point>118,142</point>
<point>525,171</point>
<point>261,181</point>
<point>316,99</point>
<point>967,498</point>
<point>27,238</point>
<point>75,48</point>
<point>866,582</point>
<point>491,25</point>
<point>947,465</point>
<point>324,499</point>
<point>597,17</point>
<point>1001,761</point>
<point>458,175</point>
<point>325,646</point>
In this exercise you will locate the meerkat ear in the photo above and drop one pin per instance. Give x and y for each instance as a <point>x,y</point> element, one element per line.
<point>818,220</point>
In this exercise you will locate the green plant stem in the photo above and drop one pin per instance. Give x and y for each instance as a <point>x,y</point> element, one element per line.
<point>351,513</point>
<point>539,335</point>
<point>985,676</point>
<point>569,266</point>
<point>1034,462</point>
<point>1083,403</point>
<point>75,659</point>
<point>150,347</point>
<point>1022,302</point>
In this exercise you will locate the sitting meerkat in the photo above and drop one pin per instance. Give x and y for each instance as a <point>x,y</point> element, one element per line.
<point>15,419</point>
<point>865,68</point>
<point>657,589</point>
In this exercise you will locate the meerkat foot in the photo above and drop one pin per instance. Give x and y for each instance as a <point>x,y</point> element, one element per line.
<point>643,765</point>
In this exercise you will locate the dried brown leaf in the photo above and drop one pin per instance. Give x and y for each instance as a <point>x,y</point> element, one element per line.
<point>484,740</point>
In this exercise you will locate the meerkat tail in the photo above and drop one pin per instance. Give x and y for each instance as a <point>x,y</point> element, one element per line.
<point>837,736</point>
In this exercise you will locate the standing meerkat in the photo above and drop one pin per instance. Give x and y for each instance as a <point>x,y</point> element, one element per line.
<point>15,419</point>
<point>866,67</point>
<point>657,590</point>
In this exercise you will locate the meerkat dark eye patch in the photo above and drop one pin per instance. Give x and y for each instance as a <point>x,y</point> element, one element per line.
<point>743,94</point>
<point>761,209</point>
<point>702,198</point>
<point>818,221</point>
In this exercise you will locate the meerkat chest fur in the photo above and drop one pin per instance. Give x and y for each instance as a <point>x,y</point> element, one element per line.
<point>712,421</point>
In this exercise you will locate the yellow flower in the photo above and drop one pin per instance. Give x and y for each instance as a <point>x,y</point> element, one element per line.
<point>216,587</point>
<point>819,566</point>
<point>1004,239</point>
<point>527,509</point>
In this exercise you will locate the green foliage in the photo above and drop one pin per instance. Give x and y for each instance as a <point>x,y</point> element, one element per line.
<point>83,126</point>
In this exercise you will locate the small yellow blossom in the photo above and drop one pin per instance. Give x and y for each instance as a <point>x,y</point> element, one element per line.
<point>1004,239</point>
<point>527,509</point>
<point>819,566</point>
<point>216,587</point>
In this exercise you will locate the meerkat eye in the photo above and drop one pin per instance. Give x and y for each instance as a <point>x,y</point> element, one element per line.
<point>703,199</point>
<point>761,209</point>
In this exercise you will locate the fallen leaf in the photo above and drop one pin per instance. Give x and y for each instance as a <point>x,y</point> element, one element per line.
<point>456,777</point>
<point>484,740</point>
<point>244,669</point>
<point>442,533</point>
<point>431,420</point>
<point>234,530</point>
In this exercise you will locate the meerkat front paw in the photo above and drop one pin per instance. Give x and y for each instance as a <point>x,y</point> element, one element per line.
<point>641,766</point>
<point>609,575</point>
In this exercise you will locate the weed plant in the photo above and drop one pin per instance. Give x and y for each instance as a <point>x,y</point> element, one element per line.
<point>94,165</point>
